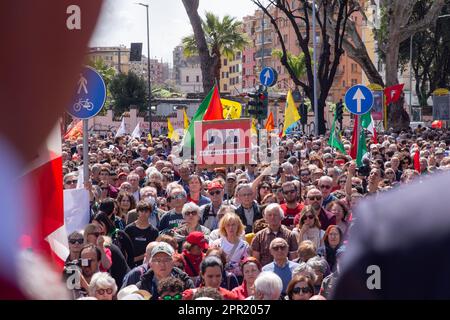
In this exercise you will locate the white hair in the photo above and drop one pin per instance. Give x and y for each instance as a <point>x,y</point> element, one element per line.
<point>190,206</point>
<point>318,263</point>
<point>102,280</point>
<point>326,179</point>
<point>274,206</point>
<point>175,186</point>
<point>287,166</point>
<point>268,285</point>
<point>305,270</point>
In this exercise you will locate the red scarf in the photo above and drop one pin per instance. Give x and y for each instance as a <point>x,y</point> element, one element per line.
<point>195,261</point>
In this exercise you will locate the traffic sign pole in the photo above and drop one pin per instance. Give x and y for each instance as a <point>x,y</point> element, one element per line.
<point>85,151</point>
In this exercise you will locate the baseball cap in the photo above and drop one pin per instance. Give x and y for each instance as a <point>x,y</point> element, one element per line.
<point>164,248</point>
<point>132,292</point>
<point>214,185</point>
<point>231,175</point>
<point>197,238</point>
<point>122,174</point>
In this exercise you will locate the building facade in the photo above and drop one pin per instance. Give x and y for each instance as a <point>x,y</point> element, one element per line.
<point>116,57</point>
<point>187,72</point>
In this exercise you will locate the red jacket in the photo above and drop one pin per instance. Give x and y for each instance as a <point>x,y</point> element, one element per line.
<point>241,291</point>
<point>226,294</point>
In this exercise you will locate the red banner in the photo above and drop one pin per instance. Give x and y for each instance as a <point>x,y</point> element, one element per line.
<point>223,142</point>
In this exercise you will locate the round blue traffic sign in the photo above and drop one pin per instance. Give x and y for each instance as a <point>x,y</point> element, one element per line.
<point>268,77</point>
<point>359,99</point>
<point>89,96</point>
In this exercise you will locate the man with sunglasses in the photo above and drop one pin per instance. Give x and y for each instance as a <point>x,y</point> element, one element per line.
<point>292,206</point>
<point>325,186</point>
<point>314,198</point>
<point>70,180</point>
<point>209,211</point>
<point>281,266</point>
<point>176,199</point>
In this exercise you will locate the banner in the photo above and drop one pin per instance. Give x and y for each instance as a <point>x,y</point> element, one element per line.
<point>223,142</point>
<point>377,108</point>
<point>76,209</point>
<point>441,107</point>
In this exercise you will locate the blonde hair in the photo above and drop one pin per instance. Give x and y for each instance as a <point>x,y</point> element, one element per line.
<point>227,218</point>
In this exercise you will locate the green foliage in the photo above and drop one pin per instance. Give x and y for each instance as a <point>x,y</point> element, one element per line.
<point>128,89</point>
<point>297,63</point>
<point>107,73</point>
<point>223,36</point>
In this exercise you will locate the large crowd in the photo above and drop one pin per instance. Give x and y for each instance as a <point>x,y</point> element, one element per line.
<point>168,230</point>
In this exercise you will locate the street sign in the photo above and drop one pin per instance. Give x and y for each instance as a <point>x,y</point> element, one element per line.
<point>89,96</point>
<point>359,99</point>
<point>268,77</point>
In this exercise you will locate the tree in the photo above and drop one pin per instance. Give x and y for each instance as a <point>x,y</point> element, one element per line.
<point>128,89</point>
<point>107,73</point>
<point>431,54</point>
<point>297,62</point>
<point>298,13</point>
<point>222,38</point>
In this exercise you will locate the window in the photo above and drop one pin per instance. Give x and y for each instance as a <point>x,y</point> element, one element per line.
<point>243,71</point>
<point>354,67</point>
<point>243,83</point>
<point>224,62</point>
<point>285,37</point>
<point>343,83</point>
<point>237,80</point>
<point>354,82</point>
<point>237,68</point>
<point>243,59</point>
<point>198,79</point>
<point>187,78</point>
<point>225,87</point>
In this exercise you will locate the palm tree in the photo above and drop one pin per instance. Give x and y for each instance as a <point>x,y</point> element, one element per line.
<point>297,63</point>
<point>223,38</point>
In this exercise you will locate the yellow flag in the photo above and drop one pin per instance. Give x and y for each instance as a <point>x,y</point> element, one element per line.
<point>254,130</point>
<point>231,109</point>
<point>171,133</point>
<point>186,120</point>
<point>149,138</point>
<point>291,115</point>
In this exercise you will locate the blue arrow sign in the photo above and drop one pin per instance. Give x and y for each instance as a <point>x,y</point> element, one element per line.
<point>359,99</point>
<point>89,95</point>
<point>268,77</point>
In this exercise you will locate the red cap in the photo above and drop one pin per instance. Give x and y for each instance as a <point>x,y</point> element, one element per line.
<point>122,174</point>
<point>197,238</point>
<point>214,185</point>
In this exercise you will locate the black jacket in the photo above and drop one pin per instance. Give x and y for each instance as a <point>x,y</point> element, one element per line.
<point>257,215</point>
<point>146,282</point>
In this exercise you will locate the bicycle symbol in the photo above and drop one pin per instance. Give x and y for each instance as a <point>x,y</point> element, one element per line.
<point>86,104</point>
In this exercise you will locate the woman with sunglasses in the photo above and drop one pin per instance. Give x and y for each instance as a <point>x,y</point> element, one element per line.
<point>300,288</point>
<point>102,286</point>
<point>309,227</point>
<point>191,216</point>
<point>263,190</point>
<point>75,244</point>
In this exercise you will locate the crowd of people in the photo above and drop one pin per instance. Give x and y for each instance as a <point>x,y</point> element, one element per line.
<point>168,230</point>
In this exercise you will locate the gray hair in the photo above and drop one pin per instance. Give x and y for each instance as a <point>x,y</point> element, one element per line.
<point>143,190</point>
<point>190,206</point>
<point>102,280</point>
<point>272,243</point>
<point>269,285</point>
<point>274,206</point>
<point>326,179</point>
<point>73,174</point>
<point>287,166</point>
<point>243,186</point>
<point>171,187</point>
<point>305,270</point>
<point>318,263</point>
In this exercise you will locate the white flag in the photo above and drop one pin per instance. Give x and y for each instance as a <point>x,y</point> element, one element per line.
<point>121,131</point>
<point>137,131</point>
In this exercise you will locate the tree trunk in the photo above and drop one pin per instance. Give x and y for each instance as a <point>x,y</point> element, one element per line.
<point>206,61</point>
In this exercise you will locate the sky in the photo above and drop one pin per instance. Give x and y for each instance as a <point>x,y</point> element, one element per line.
<point>122,22</point>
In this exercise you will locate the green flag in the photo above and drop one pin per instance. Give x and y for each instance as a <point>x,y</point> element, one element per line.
<point>362,147</point>
<point>335,137</point>
<point>189,139</point>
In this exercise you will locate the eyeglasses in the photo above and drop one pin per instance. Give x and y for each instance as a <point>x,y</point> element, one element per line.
<point>311,217</point>
<point>342,181</point>
<point>325,186</point>
<point>280,247</point>
<point>265,187</point>
<point>71,182</point>
<point>312,198</point>
<point>94,234</point>
<point>289,191</point>
<point>178,296</point>
<point>103,291</point>
<point>177,196</point>
<point>73,241</point>
<point>214,193</point>
<point>253,165</point>
<point>191,213</point>
<point>304,174</point>
<point>297,290</point>
<point>246,194</point>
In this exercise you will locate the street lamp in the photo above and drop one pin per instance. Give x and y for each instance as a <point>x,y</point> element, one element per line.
<point>148,71</point>
<point>410,65</point>
<point>316,113</point>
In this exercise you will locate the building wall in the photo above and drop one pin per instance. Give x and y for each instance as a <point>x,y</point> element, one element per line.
<point>190,79</point>
<point>110,56</point>
<point>248,55</point>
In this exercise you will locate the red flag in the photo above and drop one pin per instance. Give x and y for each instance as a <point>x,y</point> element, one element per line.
<point>393,93</point>
<point>74,131</point>
<point>436,124</point>
<point>270,124</point>
<point>417,160</point>
<point>354,149</point>
<point>215,109</point>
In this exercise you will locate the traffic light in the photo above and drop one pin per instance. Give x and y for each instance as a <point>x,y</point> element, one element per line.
<point>259,103</point>
<point>136,51</point>
<point>264,104</point>
<point>253,103</point>
<point>339,111</point>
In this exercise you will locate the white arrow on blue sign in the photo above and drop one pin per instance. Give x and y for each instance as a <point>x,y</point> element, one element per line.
<point>268,77</point>
<point>89,96</point>
<point>359,99</point>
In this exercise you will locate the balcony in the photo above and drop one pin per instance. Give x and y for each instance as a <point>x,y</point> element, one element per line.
<point>266,41</point>
<point>267,26</point>
<point>267,53</point>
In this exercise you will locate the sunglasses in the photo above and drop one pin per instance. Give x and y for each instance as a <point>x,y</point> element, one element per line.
<point>265,187</point>
<point>276,248</point>
<point>311,217</point>
<point>71,182</point>
<point>297,290</point>
<point>304,174</point>
<point>73,241</point>
<point>178,296</point>
<point>315,198</point>
<point>191,213</point>
<point>214,193</point>
<point>343,181</point>
<point>178,196</point>
<point>289,191</point>
<point>325,186</point>
<point>102,291</point>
